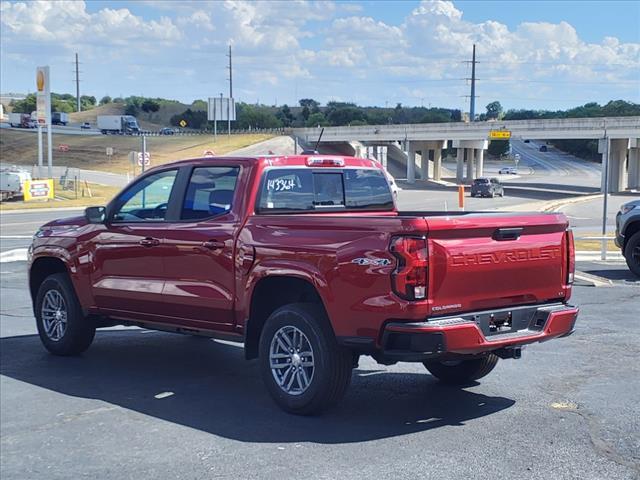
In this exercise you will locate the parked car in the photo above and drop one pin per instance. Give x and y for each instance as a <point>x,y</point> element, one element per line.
<point>85,126</point>
<point>508,171</point>
<point>543,148</point>
<point>307,261</point>
<point>486,187</point>
<point>628,234</point>
<point>527,140</point>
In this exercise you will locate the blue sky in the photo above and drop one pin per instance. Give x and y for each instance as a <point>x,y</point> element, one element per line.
<point>538,54</point>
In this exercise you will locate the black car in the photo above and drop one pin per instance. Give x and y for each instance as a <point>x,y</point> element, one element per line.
<point>543,148</point>
<point>486,187</point>
<point>628,234</point>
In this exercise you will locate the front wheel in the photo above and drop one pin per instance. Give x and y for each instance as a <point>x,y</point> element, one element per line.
<point>632,253</point>
<point>461,372</point>
<point>302,365</point>
<point>62,326</point>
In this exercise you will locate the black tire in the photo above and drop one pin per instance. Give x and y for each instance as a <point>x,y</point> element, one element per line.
<point>632,253</point>
<point>78,332</point>
<point>330,374</point>
<point>462,372</point>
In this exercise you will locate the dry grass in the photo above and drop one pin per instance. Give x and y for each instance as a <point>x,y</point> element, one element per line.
<point>100,195</point>
<point>89,151</point>
<point>593,245</point>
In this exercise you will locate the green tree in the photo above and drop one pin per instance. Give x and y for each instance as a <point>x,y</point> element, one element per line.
<point>285,115</point>
<point>104,100</point>
<point>499,147</point>
<point>26,105</point>
<point>316,119</point>
<point>494,110</point>
<point>255,117</point>
<point>149,106</point>
<point>310,104</point>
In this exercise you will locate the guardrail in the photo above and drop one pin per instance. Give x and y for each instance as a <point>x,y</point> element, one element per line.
<point>158,133</point>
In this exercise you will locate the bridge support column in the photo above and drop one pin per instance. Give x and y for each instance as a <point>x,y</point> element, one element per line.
<point>411,162</point>
<point>479,162</point>
<point>469,155</point>
<point>437,164</point>
<point>470,146</point>
<point>634,164</point>
<point>617,164</point>
<point>424,163</point>
<point>460,165</point>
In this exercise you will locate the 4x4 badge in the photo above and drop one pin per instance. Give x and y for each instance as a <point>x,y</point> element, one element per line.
<point>377,262</point>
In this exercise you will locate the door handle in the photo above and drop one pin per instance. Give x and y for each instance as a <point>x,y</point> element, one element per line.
<point>213,244</point>
<point>149,242</point>
<point>502,234</point>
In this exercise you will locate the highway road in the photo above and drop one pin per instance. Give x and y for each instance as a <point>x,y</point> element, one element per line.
<point>68,130</point>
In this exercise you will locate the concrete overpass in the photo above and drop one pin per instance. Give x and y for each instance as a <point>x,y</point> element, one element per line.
<point>620,134</point>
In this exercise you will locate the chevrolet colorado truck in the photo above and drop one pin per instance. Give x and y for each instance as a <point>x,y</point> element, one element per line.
<point>306,260</point>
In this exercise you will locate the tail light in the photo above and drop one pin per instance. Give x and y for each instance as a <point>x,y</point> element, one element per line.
<point>409,279</point>
<point>571,256</point>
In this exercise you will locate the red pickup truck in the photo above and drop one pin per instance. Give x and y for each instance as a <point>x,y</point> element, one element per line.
<point>306,260</point>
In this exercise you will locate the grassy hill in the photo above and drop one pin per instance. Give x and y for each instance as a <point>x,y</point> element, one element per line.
<point>89,151</point>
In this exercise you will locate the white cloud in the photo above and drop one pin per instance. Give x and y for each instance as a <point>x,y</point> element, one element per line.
<point>339,49</point>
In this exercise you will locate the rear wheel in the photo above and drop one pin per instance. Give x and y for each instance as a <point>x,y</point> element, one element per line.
<point>302,365</point>
<point>461,372</point>
<point>62,326</point>
<point>632,253</point>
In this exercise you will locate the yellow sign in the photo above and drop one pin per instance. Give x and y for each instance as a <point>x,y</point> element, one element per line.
<point>183,123</point>
<point>38,189</point>
<point>499,134</point>
<point>40,80</point>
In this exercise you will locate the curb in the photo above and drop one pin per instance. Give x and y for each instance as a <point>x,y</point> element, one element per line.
<point>589,280</point>
<point>16,255</point>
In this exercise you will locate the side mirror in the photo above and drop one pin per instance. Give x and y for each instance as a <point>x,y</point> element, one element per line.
<point>95,214</point>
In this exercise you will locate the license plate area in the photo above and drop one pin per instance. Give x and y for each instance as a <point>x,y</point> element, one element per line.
<point>509,321</point>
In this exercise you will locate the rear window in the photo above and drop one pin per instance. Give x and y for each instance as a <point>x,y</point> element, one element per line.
<point>301,189</point>
<point>478,181</point>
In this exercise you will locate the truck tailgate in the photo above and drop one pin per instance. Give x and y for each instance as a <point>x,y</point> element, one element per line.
<point>482,261</point>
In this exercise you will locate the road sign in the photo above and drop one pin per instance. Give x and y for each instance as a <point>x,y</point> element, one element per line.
<point>221,108</point>
<point>43,98</point>
<point>109,151</point>
<point>208,153</point>
<point>499,135</point>
<point>147,159</point>
<point>63,148</point>
<point>38,189</point>
<point>183,123</point>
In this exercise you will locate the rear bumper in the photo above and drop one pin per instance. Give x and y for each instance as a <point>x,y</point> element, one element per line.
<point>477,332</point>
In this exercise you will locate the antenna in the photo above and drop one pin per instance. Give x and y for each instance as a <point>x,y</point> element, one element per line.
<point>319,138</point>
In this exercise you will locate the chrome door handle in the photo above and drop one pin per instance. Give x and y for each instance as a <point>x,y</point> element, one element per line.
<point>149,242</point>
<point>213,244</point>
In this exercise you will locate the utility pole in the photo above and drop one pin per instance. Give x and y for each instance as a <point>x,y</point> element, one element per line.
<point>77,85</point>
<point>230,93</point>
<point>472,106</point>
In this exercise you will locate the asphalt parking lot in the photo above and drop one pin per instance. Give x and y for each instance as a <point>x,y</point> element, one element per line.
<point>142,404</point>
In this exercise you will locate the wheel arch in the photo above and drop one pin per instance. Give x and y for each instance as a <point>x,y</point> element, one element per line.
<point>40,269</point>
<point>630,230</point>
<point>271,293</point>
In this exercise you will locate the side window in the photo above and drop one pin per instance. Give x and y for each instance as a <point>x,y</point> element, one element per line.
<point>287,190</point>
<point>210,192</point>
<point>147,200</point>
